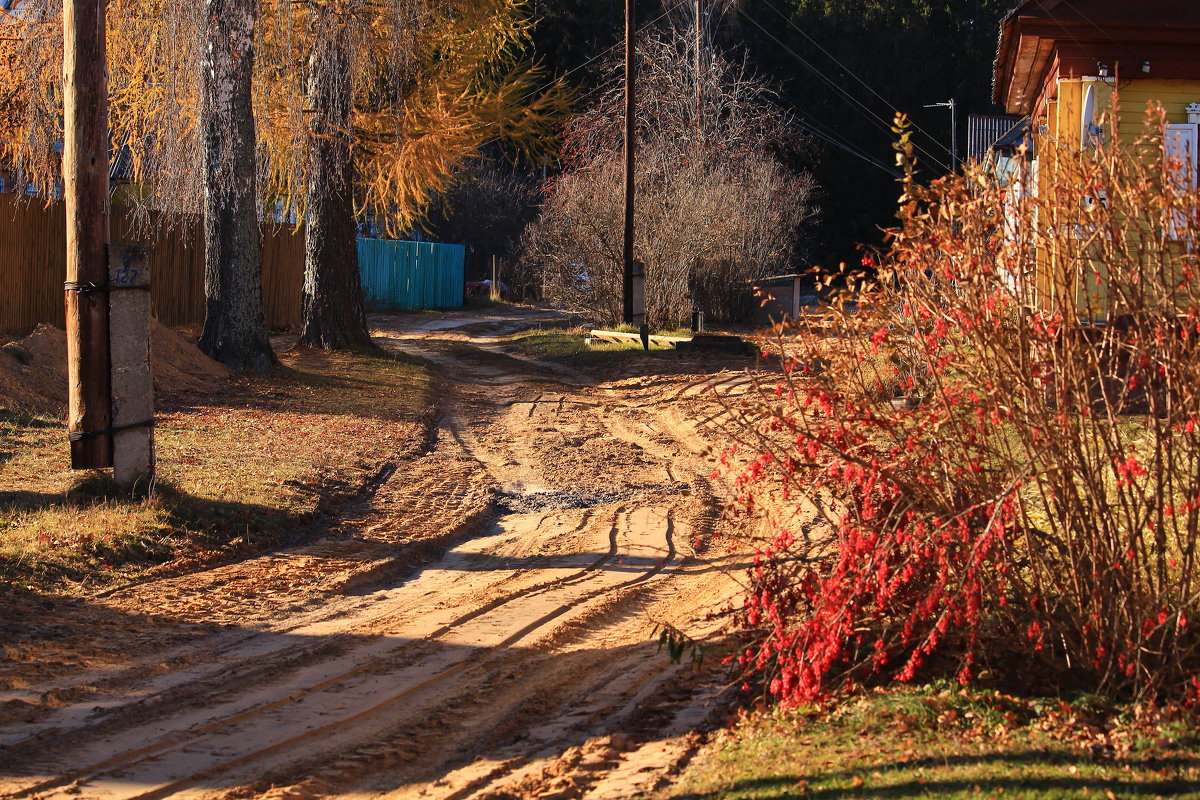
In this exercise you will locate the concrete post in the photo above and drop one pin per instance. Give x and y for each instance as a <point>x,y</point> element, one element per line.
<point>132,383</point>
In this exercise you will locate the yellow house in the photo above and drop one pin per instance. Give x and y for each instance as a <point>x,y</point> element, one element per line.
<point>1061,63</point>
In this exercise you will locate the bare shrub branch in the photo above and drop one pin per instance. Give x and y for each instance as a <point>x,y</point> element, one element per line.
<point>717,204</point>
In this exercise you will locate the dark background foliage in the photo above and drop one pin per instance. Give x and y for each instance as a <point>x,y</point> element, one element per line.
<point>844,67</point>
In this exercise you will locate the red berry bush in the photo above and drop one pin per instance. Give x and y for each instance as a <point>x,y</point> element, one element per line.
<point>984,454</point>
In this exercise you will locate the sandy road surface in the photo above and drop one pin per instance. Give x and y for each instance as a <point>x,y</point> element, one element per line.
<point>477,626</point>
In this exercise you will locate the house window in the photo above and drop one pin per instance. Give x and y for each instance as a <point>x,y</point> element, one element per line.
<point>1180,152</point>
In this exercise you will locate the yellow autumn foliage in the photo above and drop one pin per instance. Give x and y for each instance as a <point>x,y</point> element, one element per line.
<point>433,81</point>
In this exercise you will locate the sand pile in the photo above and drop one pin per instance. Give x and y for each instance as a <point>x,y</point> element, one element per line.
<point>179,366</point>
<point>33,370</point>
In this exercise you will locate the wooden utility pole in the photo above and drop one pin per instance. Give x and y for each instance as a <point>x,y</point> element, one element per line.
<point>85,188</point>
<point>699,71</point>
<point>630,128</point>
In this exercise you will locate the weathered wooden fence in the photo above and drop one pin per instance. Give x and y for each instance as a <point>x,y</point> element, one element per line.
<point>33,266</point>
<point>33,253</point>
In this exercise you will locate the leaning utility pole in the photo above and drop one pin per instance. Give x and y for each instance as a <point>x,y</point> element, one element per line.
<point>630,126</point>
<point>85,188</point>
<point>699,71</point>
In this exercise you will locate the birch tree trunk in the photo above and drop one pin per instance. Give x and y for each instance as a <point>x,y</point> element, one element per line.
<point>235,328</point>
<point>332,306</point>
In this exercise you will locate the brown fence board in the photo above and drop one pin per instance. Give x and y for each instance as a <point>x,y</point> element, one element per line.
<point>33,266</point>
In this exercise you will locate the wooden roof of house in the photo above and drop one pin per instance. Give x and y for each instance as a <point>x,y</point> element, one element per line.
<point>1041,39</point>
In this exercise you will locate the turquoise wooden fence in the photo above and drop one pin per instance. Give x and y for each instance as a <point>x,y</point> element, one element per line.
<point>411,275</point>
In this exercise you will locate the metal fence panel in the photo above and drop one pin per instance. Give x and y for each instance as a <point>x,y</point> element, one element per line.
<point>411,275</point>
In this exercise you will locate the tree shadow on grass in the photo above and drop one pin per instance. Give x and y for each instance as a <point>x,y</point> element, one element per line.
<point>1025,781</point>
<point>180,525</point>
<point>14,421</point>
<point>23,420</point>
<point>292,389</point>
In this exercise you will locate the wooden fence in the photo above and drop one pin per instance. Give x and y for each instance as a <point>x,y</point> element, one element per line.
<point>33,264</point>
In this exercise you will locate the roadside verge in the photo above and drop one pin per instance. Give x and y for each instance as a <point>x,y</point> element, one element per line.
<point>244,462</point>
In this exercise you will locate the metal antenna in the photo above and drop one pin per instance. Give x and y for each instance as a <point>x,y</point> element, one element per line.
<point>951,104</point>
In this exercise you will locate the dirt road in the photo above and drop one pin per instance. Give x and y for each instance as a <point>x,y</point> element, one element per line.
<point>478,625</point>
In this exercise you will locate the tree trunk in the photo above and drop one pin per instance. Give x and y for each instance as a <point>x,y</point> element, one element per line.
<point>332,309</point>
<point>235,326</point>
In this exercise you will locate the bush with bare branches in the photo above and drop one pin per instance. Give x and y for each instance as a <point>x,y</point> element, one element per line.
<point>717,203</point>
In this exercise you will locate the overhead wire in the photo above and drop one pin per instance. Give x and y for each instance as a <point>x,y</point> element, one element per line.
<point>811,124</point>
<point>602,54</point>
<point>846,69</point>
<point>857,104</point>
<point>861,107</point>
<point>1091,22</point>
<point>827,135</point>
<point>849,148</point>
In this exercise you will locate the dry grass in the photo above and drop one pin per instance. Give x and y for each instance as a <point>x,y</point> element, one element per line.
<point>237,470</point>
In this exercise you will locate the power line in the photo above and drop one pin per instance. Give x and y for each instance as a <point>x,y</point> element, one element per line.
<point>861,107</point>
<point>849,149</point>
<point>826,133</point>
<point>823,132</point>
<point>844,68</point>
<point>602,54</point>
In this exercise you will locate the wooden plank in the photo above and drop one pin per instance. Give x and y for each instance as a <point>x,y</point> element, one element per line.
<point>33,265</point>
<point>621,336</point>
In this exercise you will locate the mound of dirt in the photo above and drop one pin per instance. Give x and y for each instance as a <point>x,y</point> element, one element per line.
<point>179,366</point>
<point>33,370</point>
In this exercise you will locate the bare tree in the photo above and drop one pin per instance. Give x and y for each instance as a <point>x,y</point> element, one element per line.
<point>385,102</point>
<point>717,206</point>
<point>488,210</point>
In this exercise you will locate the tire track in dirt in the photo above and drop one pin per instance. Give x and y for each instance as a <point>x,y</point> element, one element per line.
<point>475,627</point>
<point>182,740</point>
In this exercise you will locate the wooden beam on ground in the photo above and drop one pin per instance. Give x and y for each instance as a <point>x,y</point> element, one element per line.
<point>620,336</point>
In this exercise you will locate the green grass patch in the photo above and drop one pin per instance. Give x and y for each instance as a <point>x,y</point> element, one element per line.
<point>237,470</point>
<point>943,742</point>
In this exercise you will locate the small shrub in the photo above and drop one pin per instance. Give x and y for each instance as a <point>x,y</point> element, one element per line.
<point>996,431</point>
